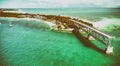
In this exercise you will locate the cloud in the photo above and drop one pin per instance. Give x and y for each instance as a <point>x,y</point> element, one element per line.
<point>58,3</point>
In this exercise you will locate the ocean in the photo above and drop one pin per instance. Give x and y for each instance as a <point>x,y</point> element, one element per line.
<point>32,42</point>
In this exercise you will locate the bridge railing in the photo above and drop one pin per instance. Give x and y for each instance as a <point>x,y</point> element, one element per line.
<point>100,36</point>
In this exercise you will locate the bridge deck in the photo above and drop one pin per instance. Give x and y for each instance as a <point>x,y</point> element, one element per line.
<point>106,39</point>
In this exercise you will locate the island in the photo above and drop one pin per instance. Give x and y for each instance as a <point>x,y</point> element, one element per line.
<point>61,22</point>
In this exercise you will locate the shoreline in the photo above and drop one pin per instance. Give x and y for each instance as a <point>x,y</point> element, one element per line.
<point>52,25</point>
<point>56,22</point>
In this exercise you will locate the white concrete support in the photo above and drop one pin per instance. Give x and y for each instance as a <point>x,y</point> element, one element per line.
<point>89,37</point>
<point>109,49</point>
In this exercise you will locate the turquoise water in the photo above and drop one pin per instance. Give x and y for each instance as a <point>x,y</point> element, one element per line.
<point>92,14</point>
<point>33,43</point>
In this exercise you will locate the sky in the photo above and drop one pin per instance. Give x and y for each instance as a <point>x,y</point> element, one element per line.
<point>59,3</point>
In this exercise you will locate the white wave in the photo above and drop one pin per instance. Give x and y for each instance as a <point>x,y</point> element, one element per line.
<point>107,23</point>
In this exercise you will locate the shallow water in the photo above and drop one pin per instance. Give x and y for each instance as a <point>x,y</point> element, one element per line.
<point>31,42</point>
<point>24,44</point>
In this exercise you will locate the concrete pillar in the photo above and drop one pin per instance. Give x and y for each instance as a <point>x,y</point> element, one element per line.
<point>109,49</point>
<point>80,30</point>
<point>89,37</point>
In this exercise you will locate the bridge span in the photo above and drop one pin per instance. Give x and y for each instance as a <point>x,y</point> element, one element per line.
<point>97,34</point>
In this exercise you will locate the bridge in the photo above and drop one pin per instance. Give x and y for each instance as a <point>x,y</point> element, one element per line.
<point>97,34</point>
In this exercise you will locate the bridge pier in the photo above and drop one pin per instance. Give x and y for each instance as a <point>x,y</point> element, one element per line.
<point>89,37</point>
<point>109,49</point>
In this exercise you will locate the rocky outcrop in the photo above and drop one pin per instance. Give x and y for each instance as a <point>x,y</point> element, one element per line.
<point>61,22</point>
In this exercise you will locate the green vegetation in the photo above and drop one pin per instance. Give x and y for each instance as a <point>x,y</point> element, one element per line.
<point>62,22</point>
